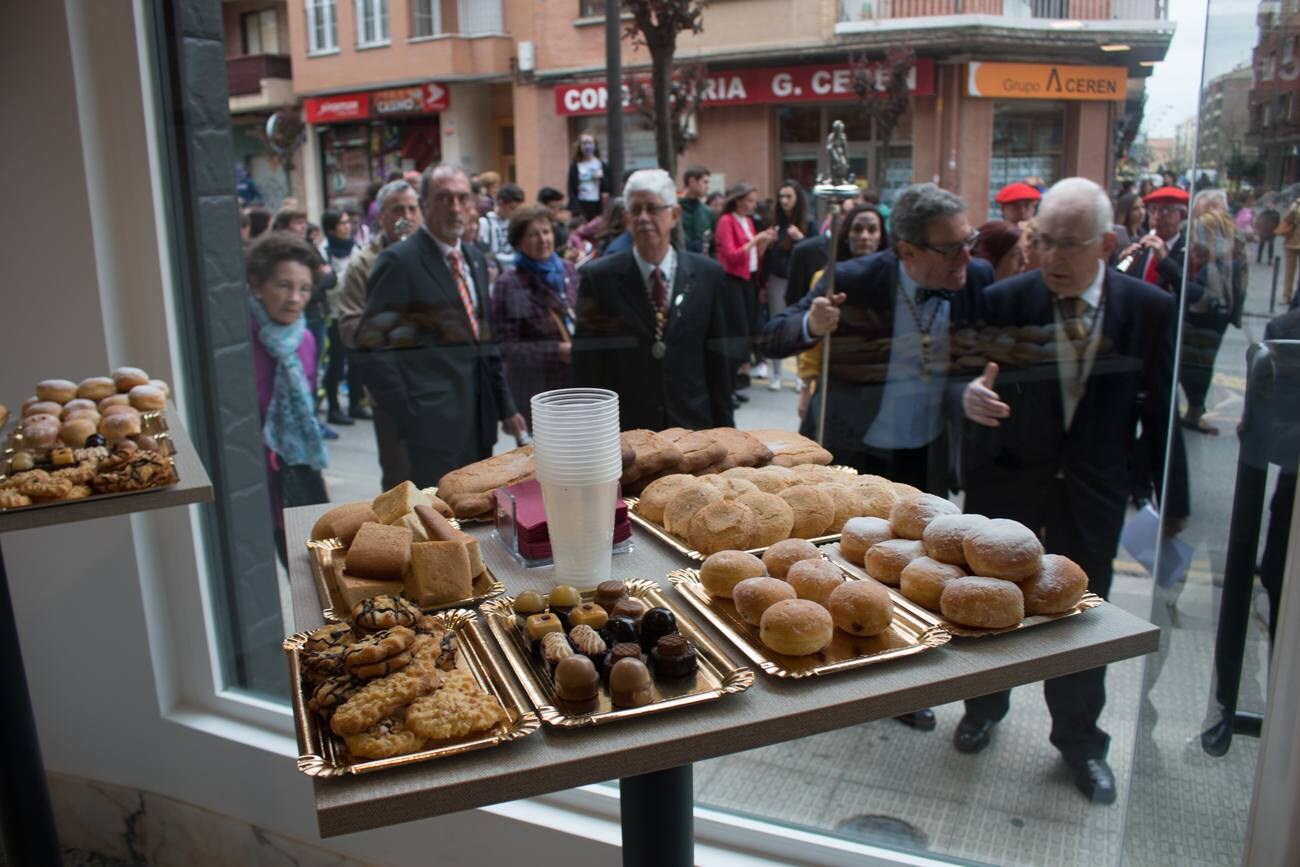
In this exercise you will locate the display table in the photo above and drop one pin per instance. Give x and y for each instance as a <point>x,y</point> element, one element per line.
<point>770,712</point>
<point>28,824</point>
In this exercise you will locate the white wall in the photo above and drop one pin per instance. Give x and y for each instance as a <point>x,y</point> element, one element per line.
<point>108,611</point>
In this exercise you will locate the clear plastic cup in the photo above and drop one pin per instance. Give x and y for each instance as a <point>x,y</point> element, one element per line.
<point>580,521</point>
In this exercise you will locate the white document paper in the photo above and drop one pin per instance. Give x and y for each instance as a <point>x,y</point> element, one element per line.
<point>1142,539</point>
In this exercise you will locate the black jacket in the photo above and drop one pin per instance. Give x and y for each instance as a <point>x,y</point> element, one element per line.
<point>1169,270</point>
<point>704,337</point>
<point>1009,469</point>
<point>861,345</point>
<point>807,258</point>
<point>420,360</point>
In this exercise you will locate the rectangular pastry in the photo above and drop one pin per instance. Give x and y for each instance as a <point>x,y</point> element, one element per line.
<point>438,572</point>
<point>379,553</point>
<point>393,504</point>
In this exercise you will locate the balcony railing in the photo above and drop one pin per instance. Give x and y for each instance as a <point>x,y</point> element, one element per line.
<point>245,73</point>
<point>1087,10</point>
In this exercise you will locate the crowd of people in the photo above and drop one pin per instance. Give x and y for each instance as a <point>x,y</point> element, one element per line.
<point>445,302</point>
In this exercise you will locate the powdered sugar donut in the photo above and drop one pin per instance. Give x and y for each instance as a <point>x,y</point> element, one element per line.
<point>944,535</point>
<point>1056,587</point>
<point>912,514</point>
<point>1003,549</point>
<point>987,603</point>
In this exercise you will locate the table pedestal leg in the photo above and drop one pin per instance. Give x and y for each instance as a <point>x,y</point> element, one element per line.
<point>25,814</point>
<point>658,811</point>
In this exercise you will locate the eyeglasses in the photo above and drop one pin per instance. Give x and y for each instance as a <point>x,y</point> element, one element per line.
<point>1046,243</point>
<point>646,208</point>
<point>952,251</point>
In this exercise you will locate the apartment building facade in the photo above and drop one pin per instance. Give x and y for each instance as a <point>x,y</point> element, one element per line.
<point>1002,89</point>
<point>1274,125</point>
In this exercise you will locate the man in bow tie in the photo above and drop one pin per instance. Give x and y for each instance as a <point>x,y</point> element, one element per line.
<point>894,316</point>
<point>1055,429</point>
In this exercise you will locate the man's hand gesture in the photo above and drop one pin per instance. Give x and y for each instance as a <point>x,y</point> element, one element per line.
<point>981,403</point>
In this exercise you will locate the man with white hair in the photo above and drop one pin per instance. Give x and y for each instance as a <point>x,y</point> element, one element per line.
<point>654,323</point>
<point>1052,439</point>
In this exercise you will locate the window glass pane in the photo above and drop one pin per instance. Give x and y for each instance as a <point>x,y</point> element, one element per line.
<point>269,31</point>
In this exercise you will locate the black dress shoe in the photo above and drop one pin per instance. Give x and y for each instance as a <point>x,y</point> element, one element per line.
<point>737,397</point>
<point>922,720</point>
<point>972,735</point>
<point>1096,780</point>
<point>336,416</point>
<point>360,412</point>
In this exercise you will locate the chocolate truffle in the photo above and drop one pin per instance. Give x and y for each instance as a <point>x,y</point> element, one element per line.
<point>626,650</point>
<point>588,614</point>
<point>576,679</point>
<point>656,623</point>
<point>608,593</point>
<point>621,629</point>
<point>630,684</point>
<point>673,656</point>
<point>629,607</point>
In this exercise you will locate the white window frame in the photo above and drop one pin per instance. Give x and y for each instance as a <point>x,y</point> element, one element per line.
<point>372,23</point>
<point>322,14</point>
<point>426,10</point>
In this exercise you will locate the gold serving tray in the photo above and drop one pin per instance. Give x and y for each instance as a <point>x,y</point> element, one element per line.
<point>909,634</point>
<point>322,754</point>
<point>716,676</point>
<point>1089,600</point>
<point>682,547</point>
<point>152,423</point>
<point>327,557</point>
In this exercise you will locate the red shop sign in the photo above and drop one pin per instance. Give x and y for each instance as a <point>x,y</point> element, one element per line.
<point>420,99</point>
<point>830,82</point>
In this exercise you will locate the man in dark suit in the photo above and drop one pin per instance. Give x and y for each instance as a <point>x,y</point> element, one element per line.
<point>655,324</point>
<point>425,341</point>
<point>1157,257</point>
<point>1052,442</point>
<point>894,316</point>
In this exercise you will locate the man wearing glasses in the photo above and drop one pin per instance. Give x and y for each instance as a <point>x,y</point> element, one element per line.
<point>1158,256</point>
<point>893,315</point>
<point>654,323</point>
<point>427,352</point>
<point>1053,438</point>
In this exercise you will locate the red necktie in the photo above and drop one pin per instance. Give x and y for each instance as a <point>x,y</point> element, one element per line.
<point>454,258</point>
<point>659,292</point>
<point>1151,275</point>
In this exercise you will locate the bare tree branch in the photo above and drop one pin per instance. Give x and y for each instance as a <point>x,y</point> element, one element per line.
<point>884,97</point>
<point>671,98</point>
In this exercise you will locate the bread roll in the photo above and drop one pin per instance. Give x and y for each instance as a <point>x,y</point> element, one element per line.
<point>59,391</point>
<point>656,495</point>
<point>780,557</point>
<point>127,378</point>
<point>343,522</point>
<point>146,398</point>
<point>796,627</point>
<point>862,608</point>
<point>1002,548</point>
<point>685,503</point>
<point>755,595</point>
<point>814,579</point>
<point>912,514</point>
<point>859,534</point>
<point>814,510</point>
<point>96,388</point>
<point>723,526</point>
<point>773,518</point>
<point>924,578</point>
<point>986,603</point>
<point>723,570</point>
<point>1055,588</point>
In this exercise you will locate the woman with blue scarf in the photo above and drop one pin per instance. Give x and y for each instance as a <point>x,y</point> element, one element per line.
<point>281,271</point>
<point>532,310</point>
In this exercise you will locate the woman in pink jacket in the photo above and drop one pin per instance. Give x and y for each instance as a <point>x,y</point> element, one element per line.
<point>741,248</point>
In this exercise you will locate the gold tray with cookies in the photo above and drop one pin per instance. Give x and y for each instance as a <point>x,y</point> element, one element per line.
<point>324,754</point>
<point>957,630</point>
<point>335,586</point>
<point>908,634</point>
<point>605,671</point>
<point>82,468</point>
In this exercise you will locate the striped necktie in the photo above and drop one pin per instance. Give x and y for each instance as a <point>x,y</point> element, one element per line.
<point>453,257</point>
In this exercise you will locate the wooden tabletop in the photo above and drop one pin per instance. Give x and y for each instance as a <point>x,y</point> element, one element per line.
<point>193,487</point>
<point>771,711</point>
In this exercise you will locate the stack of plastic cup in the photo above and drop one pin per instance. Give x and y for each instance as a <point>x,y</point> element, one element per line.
<point>579,461</point>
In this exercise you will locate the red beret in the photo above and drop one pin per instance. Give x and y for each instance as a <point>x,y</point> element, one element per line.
<point>1168,193</point>
<point>1017,192</point>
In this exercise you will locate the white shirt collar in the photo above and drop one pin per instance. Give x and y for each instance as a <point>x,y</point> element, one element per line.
<point>444,248</point>
<point>1092,295</point>
<point>668,266</point>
